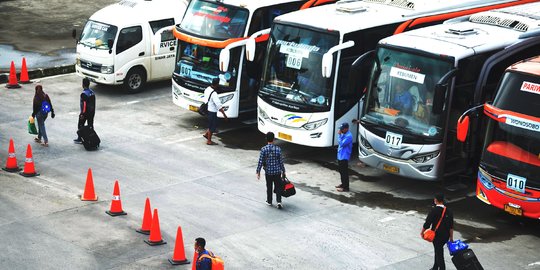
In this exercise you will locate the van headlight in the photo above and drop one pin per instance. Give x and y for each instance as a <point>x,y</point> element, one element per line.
<point>78,61</point>
<point>425,157</point>
<point>315,124</point>
<point>107,69</point>
<point>226,98</point>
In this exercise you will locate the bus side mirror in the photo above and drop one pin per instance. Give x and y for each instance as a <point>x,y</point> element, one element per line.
<point>462,128</point>
<point>250,49</point>
<point>224,58</point>
<point>359,73</point>
<point>438,99</point>
<point>110,43</point>
<point>327,62</point>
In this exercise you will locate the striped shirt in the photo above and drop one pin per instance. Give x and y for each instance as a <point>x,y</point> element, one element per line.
<point>271,159</point>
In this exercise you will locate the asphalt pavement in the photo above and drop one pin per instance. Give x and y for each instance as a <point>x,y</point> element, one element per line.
<point>156,150</point>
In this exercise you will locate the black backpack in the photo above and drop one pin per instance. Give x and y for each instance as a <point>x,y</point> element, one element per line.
<point>203,109</point>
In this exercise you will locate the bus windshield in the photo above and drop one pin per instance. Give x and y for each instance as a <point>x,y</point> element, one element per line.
<point>214,20</point>
<point>515,144</point>
<point>401,92</point>
<point>201,64</point>
<point>293,70</point>
<point>95,35</point>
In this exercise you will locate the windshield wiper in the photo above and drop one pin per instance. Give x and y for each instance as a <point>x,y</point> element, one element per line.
<point>401,128</point>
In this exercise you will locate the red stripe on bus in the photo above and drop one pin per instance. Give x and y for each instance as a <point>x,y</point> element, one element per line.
<point>514,152</point>
<point>205,42</point>
<point>494,112</point>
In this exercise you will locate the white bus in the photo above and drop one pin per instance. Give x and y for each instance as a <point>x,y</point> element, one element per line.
<point>129,43</point>
<point>423,80</point>
<point>304,107</point>
<point>208,27</point>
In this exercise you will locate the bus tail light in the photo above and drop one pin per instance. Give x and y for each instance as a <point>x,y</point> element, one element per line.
<point>425,157</point>
<point>315,124</point>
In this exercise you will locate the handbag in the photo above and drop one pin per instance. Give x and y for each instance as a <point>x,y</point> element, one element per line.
<point>203,109</point>
<point>288,188</point>
<point>429,234</point>
<point>32,126</point>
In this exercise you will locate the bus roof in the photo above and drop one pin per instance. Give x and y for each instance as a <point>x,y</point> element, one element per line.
<point>530,66</point>
<point>479,32</point>
<point>252,5</point>
<point>350,16</point>
<point>131,12</point>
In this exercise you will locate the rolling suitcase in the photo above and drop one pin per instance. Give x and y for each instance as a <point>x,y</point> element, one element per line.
<point>466,260</point>
<point>90,139</point>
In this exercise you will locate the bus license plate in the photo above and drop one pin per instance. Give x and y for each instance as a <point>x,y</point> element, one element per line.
<point>391,169</point>
<point>284,136</point>
<point>513,210</point>
<point>393,140</point>
<point>193,108</point>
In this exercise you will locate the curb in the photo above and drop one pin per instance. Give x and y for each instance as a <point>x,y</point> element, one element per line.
<point>42,72</point>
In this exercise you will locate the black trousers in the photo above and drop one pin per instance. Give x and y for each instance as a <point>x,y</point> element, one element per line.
<point>344,172</point>
<point>438,246</point>
<point>274,180</point>
<point>85,118</point>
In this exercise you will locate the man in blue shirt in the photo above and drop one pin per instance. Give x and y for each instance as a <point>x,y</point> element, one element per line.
<point>272,161</point>
<point>202,263</point>
<point>403,100</point>
<point>345,142</point>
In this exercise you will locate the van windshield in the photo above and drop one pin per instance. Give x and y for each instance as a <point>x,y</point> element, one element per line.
<point>214,20</point>
<point>96,34</point>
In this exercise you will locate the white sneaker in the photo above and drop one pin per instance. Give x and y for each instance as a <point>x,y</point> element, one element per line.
<point>269,204</point>
<point>279,206</point>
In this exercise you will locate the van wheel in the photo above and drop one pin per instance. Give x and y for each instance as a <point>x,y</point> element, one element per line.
<point>135,80</point>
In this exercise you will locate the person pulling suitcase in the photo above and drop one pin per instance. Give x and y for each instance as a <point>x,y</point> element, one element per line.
<point>87,104</point>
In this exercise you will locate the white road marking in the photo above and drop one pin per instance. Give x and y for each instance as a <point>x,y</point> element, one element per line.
<point>386,219</point>
<point>412,212</point>
<point>132,102</point>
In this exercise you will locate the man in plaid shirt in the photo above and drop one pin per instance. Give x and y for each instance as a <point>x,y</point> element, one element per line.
<point>272,161</point>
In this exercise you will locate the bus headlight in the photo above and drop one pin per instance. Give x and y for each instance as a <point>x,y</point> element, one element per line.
<point>315,124</point>
<point>365,142</point>
<point>425,157</point>
<point>107,69</point>
<point>226,98</point>
<point>263,114</point>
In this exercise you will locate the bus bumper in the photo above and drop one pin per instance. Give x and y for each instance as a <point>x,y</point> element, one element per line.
<point>188,100</point>
<point>511,202</point>
<point>398,167</point>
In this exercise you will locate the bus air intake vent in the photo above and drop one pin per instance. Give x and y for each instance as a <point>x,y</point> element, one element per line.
<point>396,3</point>
<point>127,3</point>
<point>500,21</point>
<point>350,6</point>
<point>461,32</point>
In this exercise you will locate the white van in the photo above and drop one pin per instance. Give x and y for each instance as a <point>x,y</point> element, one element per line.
<point>130,43</point>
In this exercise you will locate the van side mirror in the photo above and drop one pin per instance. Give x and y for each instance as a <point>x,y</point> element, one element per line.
<point>462,128</point>
<point>224,58</point>
<point>74,33</point>
<point>250,49</point>
<point>110,44</point>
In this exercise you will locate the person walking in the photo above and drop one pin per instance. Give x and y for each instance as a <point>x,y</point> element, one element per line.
<point>272,161</point>
<point>40,110</point>
<point>214,105</point>
<point>443,233</point>
<point>202,263</point>
<point>87,105</point>
<point>345,143</point>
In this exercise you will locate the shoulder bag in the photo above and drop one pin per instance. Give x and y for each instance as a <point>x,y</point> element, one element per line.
<point>429,234</point>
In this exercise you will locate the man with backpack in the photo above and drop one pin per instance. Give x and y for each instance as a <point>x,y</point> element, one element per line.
<point>88,108</point>
<point>206,260</point>
<point>40,110</point>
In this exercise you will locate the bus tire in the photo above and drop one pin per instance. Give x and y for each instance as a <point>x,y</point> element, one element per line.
<point>135,80</point>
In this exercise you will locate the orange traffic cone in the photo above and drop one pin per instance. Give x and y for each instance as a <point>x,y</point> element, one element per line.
<point>11,164</point>
<point>12,83</point>
<point>179,254</point>
<point>24,73</point>
<point>89,194</point>
<point>155,232</point>
<point>194,264</point>
<point>147,219</point>
<point>116,203</point>
<point>29,169</point>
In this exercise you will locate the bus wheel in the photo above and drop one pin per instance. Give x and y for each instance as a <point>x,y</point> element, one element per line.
<point>135,80</point>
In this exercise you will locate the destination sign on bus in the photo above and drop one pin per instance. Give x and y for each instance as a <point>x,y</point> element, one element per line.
<point>521,123</point>
<point>530,87</point>
<point>407,75</point>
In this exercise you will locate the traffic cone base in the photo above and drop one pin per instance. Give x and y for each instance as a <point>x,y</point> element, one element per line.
<point>114,214</point>
<point>173,262</point>
<point>147,232</point>
<point>85,199</point>
<point>12,169</point>
<point>160,242</point>
<point>29,174</point>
